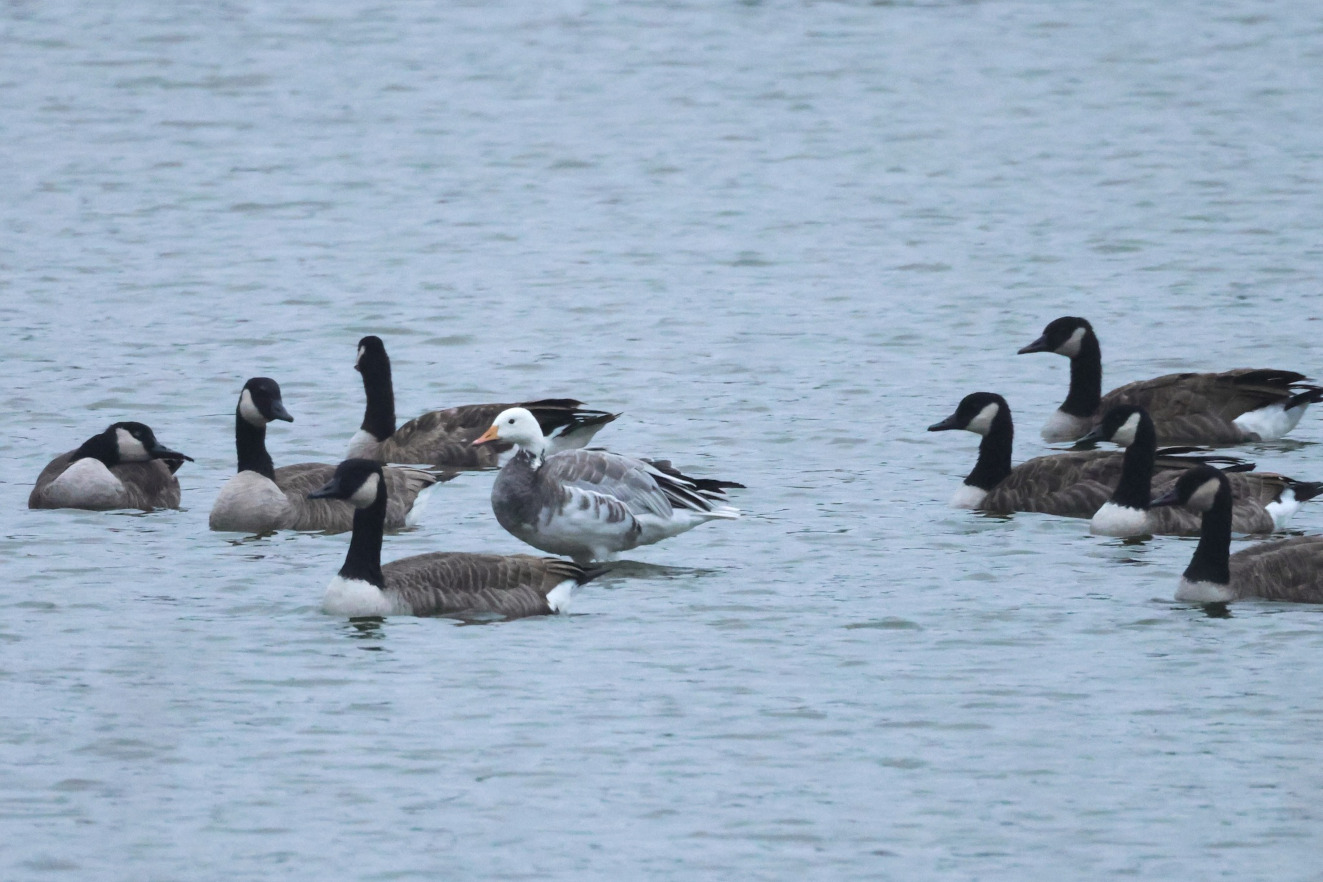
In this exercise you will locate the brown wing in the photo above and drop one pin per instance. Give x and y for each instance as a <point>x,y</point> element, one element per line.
<point>1289,570</point>
<point>53,470</point>
<point>337,515</point>
<point>148,485</point>
<point>448,583</point>
<point>1073,484</point>
<point>1201,407</point>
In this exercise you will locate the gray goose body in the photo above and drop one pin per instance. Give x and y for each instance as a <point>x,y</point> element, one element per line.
<point>444,438</point>
<point>436,584</point>
<point>122,467</point>
<point>1263,502</point>
<point>1284,570</point>
<point>262,499</point>
<point>1074,483</point>
<point>1230,407</point>
<point>593,504</point>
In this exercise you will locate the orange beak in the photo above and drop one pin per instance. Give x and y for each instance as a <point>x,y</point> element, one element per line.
<point>489,435</point>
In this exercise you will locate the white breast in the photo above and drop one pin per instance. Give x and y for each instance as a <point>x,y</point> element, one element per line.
<point>249,503</point>
<point>1119,520</point>
<point>354,598</point>
<point>1061,426</point>
<point>86,484</point>
<point>1203,592</point>
<point>968,496</point>
<point>364,445</point>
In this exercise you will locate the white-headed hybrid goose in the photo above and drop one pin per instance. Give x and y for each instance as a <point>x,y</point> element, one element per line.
<point>591,504</point>
<point>122,467</point>
<point>439,584</point>
<point>444,438</point>
<point>1232,407</point>
<point>261,498</point>
<point>1287,569</point>
<point>1074,483</point>
<point>1263,501</point>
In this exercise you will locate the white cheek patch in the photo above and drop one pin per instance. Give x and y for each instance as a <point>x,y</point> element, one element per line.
<point>367,494</point>
<point>130,448</point>
<point>1125,435</point>
<point>982,421</point>
<point>359,360</point>
<point>249,411</point>
<point>1071,347</point>
<point>1201,499</point>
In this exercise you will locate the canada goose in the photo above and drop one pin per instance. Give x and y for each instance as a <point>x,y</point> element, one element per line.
<point>433,584</point>
<point>1228,408</point>
<point>261,498</point>
<point>1263,501</point>
<point>1074,483</point>
<point>591,504</point>
<point>1286,569</point>
<point>122,467</point>
<point>444,438</point>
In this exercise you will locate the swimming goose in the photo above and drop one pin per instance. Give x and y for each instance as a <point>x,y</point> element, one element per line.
<point>1287,569</point>
<point>445,437</point>
<point>1263,501</point>
<point>261,498</point>
<point>436,584</point>
<point>1074,483</point>
<point>591,504</point>
<point>1246,404</point>
<point>122,467</point>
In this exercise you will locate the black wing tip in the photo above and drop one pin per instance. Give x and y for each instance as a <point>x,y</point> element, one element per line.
<point>584,575</point>
<point>1306,490</point>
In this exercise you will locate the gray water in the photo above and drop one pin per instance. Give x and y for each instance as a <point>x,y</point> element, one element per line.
<point>782,238</point>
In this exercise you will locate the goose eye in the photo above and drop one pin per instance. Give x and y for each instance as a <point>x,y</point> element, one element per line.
<point>510,421</point>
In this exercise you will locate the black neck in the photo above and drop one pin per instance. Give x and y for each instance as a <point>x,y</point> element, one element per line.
<point>994,453</point>
<point>379,416</point>
<point>1134,490</point>
<point>250,442</point>
<point>363,561</point>
<point>1211,561</point>
<point>1085,379</point>
<point>100,447</point>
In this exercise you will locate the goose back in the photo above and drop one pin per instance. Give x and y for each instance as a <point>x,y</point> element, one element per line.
<point>89,484</point>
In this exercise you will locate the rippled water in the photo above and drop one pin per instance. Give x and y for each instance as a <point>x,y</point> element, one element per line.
<point>783,238</point>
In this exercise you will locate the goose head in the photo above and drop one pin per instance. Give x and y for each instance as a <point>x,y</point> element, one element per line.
<point>359,481</point>
<point>1064,336</point>
<point>372,356</point>
<point>975,413</point>
<point>1119,425</point>
<point>1198,489</point>
<point>517,426</point>
<point>127,442</point>
<point>260,402</point>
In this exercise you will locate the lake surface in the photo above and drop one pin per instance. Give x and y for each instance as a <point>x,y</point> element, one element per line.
<point>782,238</point>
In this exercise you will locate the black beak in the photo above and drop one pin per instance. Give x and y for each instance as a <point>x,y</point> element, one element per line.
<point>278,411</point>
<point>1168,498</point>
<point>948,423</point>
<point>1092,437</point>
<point>330,491</point>
<point>161,452</point>
<point>1039,345</point>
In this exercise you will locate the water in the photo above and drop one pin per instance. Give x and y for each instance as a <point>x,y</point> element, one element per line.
<point>783,238</point>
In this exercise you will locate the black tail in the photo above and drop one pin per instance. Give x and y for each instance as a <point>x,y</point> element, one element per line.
<point>561,415</point>
<point>1306,490</point>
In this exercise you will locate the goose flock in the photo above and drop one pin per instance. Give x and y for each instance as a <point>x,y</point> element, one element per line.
<point>561,497</point>
<point>1146,490</point>
<point>551,493</point>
